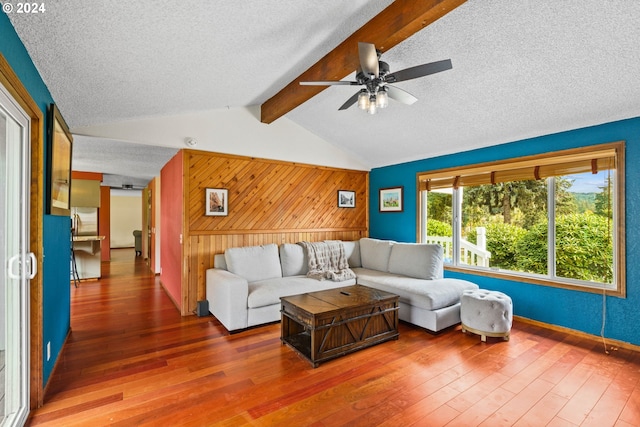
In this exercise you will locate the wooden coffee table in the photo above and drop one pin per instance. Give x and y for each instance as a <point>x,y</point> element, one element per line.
<point>327,324</point>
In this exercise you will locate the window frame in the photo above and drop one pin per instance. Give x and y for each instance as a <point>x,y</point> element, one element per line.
<point>453,176</point>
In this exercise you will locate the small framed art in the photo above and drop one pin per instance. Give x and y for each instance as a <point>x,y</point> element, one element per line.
<point>216,202</point>
<point>391,199</point>
<point>346,199</point>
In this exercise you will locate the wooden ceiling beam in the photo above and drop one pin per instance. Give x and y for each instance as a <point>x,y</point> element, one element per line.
<point>399,21</point>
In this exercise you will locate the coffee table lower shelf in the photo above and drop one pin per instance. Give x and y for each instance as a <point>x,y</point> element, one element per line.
<point>324,325</point>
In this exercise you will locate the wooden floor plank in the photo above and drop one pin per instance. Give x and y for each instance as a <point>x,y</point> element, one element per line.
<point>464,401</point>
<point>513,410</point>
<point>631,412</point>
<point>485,407</point>
<point>542,412</point>
<point>583,401</point>
<point>131,359</point>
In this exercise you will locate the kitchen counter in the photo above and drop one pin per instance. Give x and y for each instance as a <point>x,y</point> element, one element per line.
<point>87,251</point>
<point>87,238</point>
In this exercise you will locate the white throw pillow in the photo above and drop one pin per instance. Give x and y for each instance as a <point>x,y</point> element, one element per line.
<point>419,260</point>
<point>375,253</point>
<point>293,259</point>
<point>254,262</point>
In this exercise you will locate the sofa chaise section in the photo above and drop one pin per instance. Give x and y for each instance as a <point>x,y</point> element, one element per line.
<point>414,272</point>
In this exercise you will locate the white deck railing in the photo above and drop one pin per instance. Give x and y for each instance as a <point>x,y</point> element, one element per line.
<point>470,254</point>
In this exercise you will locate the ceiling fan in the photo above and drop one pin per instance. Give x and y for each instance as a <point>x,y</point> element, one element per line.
<point>121,182</point>
<point>374,75</point>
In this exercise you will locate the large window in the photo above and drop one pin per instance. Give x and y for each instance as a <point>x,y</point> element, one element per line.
<point>555,219</point>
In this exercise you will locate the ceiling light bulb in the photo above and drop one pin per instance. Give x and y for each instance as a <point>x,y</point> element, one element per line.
<point>363,100</point>
<point>382,99</point>
<point>372,105</point>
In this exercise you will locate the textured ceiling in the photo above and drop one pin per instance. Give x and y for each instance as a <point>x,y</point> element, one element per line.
<point>128,164</point>
<point>109,61</point>
<point>521,68</point>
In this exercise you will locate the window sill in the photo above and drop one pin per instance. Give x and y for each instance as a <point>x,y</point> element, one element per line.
<point>536,280</point>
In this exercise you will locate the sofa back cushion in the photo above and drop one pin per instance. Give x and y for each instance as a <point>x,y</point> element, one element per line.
<point>418,260</point>
<point>352,252</point>
<point>254,262</point>
<point>374,253</point>
<point>293,259</point>
<point>219,262</point>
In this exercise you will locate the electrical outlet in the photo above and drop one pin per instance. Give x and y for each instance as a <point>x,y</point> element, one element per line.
<point>48,350</point>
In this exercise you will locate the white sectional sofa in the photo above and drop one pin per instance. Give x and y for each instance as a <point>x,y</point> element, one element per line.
<point>414,272</point>
<point>245,285</point>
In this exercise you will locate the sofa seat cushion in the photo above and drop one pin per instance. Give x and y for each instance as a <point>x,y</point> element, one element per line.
<point>425,294</point>
<point>268,292</point>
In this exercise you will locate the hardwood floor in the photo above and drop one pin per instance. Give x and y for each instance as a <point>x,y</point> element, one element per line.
<point>132,360</point>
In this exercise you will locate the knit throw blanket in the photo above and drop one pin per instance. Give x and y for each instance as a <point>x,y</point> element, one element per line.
<point>327,260</point>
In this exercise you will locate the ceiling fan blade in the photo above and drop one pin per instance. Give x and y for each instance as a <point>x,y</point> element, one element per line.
<point>368,58</point>
<point>350,101</point>
<point>400,95</point>
<point>329,83</point>
<point>419,71</point>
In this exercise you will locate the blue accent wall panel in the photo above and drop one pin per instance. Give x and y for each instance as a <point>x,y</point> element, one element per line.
<point>57,292</point>
<point>581,311</point>
<point>56,229</point>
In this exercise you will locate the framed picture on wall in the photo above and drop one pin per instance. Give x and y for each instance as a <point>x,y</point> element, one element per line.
<point>216,202</point>
<point>346,199</point>
<point>60,144</point>
<point>391,199</point>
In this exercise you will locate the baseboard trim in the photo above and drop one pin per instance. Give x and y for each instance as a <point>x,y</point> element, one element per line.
<point>55,366</point>
<point>164,288</point>
<point>610,342</point>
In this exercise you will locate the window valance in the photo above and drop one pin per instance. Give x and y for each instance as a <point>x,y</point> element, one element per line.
<point>568,162</point>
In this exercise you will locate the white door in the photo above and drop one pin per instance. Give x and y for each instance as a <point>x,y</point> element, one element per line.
<point>19,262</point>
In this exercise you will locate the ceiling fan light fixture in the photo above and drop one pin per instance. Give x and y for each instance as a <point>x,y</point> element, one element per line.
<point>363,100</point>
<point>374,75</point>
<point>382,99</point>
<point>372,105</point>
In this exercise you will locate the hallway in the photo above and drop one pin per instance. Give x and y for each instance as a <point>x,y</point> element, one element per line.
<point>122,328</point>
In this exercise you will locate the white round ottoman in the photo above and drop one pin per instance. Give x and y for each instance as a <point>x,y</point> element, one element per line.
<point>486,313</point>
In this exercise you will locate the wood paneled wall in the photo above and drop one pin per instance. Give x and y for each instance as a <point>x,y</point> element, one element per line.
<point>269,202</point>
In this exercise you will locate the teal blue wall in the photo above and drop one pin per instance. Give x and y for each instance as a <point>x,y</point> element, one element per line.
<point>56,229</point>
<point>576,310</point>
